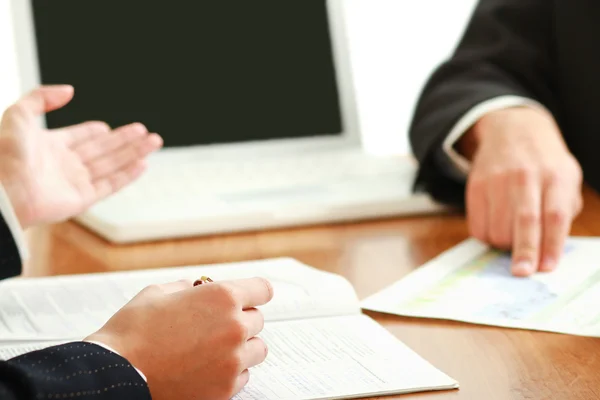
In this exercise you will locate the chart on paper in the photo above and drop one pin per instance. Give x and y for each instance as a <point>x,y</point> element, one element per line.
<point>473,283</point>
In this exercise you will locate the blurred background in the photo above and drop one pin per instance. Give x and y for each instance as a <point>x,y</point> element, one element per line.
<point>394,46</point>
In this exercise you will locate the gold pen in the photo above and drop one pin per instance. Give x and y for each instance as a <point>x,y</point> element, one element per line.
<point>203,280</point>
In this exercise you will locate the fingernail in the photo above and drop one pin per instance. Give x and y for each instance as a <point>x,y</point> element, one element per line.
<point>523,268</point>
<point>549,264</point>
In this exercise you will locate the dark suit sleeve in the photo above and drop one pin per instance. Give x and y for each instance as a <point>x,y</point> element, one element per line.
<point>505,50</point>
<point>10,260</point>
<point>71,371</point>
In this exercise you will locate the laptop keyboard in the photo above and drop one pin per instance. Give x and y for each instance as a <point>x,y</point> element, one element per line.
<point>267,174</point>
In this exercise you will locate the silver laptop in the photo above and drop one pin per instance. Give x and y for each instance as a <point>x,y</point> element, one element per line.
<point>254,101</point>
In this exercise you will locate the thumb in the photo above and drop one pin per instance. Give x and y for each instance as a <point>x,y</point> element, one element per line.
<point>45,99</point>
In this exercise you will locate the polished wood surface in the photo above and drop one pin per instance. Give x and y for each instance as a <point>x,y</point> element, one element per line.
<point>490,363</point>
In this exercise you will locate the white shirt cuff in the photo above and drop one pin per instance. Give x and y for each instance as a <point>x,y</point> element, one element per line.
<point>8,213</point>
<point>474,115</point>
<point>113,350</point>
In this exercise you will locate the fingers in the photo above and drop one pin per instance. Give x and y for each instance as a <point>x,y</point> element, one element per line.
<point>112,162</point>
<point>558,207</point>
<point>527,192</point>
<point>499,228</point>
<point>254,352</point>
<point>93,147</point>
<point>41,100</point>
<point>81,133</point>
<point>254,321</point>
<point>114,182</point>
<point>477,208</point>
<point>252,292</point>
<point>113,159</point>
<point>241,381</point>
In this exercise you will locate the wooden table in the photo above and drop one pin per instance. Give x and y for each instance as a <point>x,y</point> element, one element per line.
<point>490,363</point>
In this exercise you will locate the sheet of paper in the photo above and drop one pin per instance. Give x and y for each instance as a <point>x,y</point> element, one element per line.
<point>326,358</point>
<point>336,358</point>
<point>18,348</point>
<point>472,283</point>
<point>72,307</point>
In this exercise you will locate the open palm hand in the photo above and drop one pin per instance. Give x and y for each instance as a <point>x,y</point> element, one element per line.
<point>52,175</point>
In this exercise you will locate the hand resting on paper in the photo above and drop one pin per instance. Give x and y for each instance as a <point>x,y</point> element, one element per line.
<point>192,343</point>
<point>52,175</point>
<point>524,187</point>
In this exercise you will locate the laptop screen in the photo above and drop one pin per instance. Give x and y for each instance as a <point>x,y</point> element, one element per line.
<point>196,72</point>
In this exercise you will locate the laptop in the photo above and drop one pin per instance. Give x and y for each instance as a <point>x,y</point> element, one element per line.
<point>254,101</point>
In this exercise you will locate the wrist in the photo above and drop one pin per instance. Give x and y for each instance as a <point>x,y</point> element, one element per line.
<point>12,182</point>
<point>469,143</point>
<point>104,342</point>
<point>18,201</point>
<point>507,122</point>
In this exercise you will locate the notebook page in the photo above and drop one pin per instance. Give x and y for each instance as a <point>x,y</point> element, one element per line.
<point>71,307</point>
<point>325,358</point>
<point>14,350</point>
<point>336,358</point>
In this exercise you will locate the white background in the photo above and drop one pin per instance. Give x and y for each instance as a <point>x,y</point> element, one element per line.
<point>394,45</point>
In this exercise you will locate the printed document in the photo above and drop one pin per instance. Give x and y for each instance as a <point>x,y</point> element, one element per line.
<point>472,283</point>
<point>320,345</point>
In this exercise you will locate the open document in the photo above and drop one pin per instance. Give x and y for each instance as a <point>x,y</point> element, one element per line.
<point>320,345</point>
<point>472,283</point>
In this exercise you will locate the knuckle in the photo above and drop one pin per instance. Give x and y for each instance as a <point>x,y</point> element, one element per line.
<point>153,290</point>
<point>527,218</point>
<point>553,176</point>
<point>225,295</point>
<point>16,110</point>
<point>574,168</point>
<point>99,126</point>
<point>524,175</point>
<point>237,331</point>
<point>556,217</point>
<point>138,126</point>
<point>232,366</point>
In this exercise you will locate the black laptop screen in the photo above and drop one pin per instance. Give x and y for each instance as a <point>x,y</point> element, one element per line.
<point>197,72</point>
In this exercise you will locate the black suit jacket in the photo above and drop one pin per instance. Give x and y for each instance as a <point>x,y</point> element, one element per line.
<point>545,50</point>
<point>72,371</point>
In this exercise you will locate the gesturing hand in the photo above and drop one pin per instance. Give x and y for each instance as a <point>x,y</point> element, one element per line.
<point>524,188</point>
<point>53,175</point>
<point>192,343</point>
